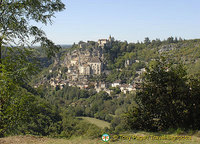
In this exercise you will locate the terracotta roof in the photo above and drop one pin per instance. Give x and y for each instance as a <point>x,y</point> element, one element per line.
<point>124,85</point>
<point>85,65</point>
<point>95,60</point>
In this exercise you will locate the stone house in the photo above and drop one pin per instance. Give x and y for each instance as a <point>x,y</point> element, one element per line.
<point>96,66</point>
<point>105,42</point>
<point>123,88</point>
<point>84,70</point>
<point>116,83</point>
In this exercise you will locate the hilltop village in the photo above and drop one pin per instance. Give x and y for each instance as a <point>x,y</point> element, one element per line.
<point>85,62</point>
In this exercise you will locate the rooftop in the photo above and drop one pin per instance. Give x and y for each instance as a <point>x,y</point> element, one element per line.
<point>95,60</point>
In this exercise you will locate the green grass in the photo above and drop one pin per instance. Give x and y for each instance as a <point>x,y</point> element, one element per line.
<point>97,122</point>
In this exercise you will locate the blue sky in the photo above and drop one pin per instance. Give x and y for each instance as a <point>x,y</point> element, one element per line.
<point>130,20</point>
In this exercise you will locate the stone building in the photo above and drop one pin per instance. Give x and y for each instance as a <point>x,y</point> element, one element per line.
<point>96,66</point>
<point>84,70</point>
<point>105,42</point>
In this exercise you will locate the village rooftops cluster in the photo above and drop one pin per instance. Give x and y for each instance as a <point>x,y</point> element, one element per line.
<point>88,61</point>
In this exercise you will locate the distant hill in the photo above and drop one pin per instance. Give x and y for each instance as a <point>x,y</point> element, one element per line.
<point>64,46</point>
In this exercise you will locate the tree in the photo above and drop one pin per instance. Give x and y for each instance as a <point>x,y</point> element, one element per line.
<point>15,103</point>
<point>16,65</point>
<point>170,40</point>
<point>175,40</point>
<point>165,99</point>
<point>15,17</point>
<point>147,41</point>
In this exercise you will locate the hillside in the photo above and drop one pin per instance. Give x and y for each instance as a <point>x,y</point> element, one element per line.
<point>111,62</point>
<point>97,122</point>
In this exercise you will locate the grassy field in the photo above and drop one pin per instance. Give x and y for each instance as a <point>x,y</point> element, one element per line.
<point>97,122</point>
<point>123,139</point>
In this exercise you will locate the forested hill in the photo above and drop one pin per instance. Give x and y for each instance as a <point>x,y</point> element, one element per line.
<point>186,51</point>
<point>123,59</point>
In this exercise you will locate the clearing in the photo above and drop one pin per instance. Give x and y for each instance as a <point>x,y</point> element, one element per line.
<point>97,122</point>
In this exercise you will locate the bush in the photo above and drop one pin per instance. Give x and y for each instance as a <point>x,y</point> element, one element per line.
<point>179,131</point>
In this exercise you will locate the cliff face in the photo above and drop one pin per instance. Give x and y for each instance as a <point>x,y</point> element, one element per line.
<point>76,66</point>
<point>82,63</point>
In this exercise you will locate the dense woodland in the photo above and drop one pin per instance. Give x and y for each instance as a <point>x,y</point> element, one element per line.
<point>168,97</point>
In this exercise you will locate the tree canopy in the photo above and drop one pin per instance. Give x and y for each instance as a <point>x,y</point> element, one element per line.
<point>16,63</point>
<point>166,99</point>
<point>15,18</point>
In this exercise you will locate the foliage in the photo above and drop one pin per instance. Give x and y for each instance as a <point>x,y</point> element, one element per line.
<point>166,99</point>
<point>17,99</point>
<point>15,17</point>
<point>74,127</point>
<point>22,111</point>
<point>44,119</point>
<point>13,109</point>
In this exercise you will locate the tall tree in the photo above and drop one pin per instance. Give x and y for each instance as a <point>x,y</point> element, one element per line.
<point>15,66</point>
<point>147,41</point>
